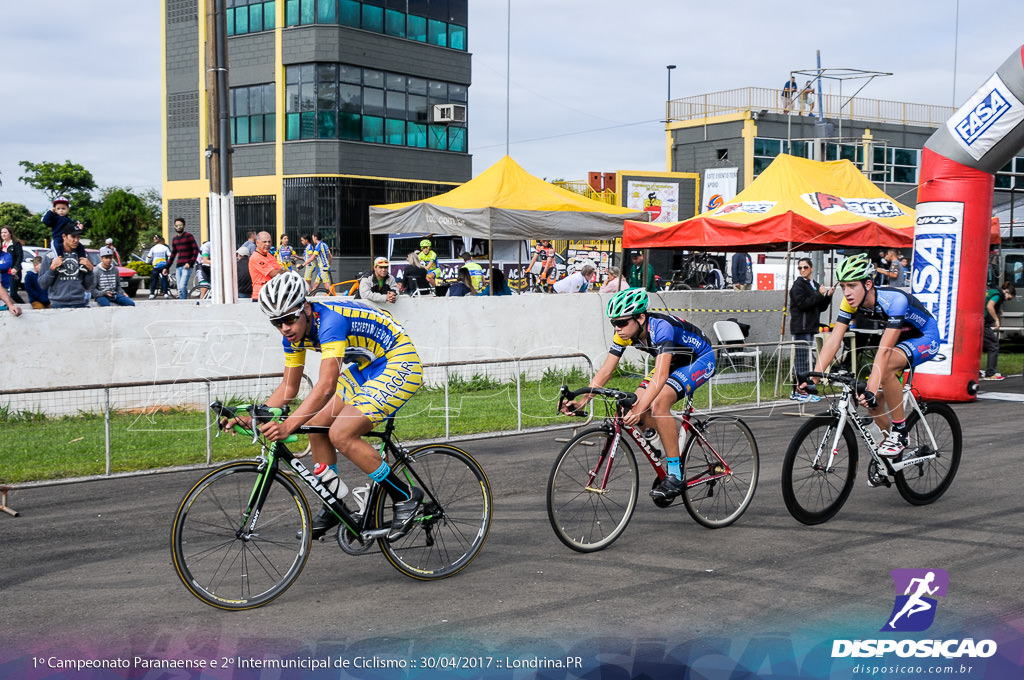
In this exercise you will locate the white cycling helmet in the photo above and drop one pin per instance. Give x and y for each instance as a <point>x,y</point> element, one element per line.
<point>282,294</point>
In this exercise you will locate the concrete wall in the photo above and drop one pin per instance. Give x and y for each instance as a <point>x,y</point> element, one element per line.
<point>168,340</point>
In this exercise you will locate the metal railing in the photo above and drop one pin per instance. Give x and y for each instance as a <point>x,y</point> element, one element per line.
<point>835,106</point>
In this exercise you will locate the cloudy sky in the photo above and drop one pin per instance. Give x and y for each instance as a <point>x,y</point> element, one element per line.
<point>81,80</point>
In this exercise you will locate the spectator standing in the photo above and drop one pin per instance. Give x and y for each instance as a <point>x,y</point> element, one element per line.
<point>250,242</point>
<point>476,272</point>
<point>160,257</point>
<point>414,277</point>
<point>499,284</point>
<point>615,281</point>
<point>244,278</point>
<point>318,263</point>
<point>807,300</point>
<point>890,271</point>
<point>380,286</point>
<point>636,273</point>
<point>37,297</point>
<point>262,265</point>
<point>107,282</point>
<point>742,271</point>
<point>807,98</point>
<point>12,246</point>
<point>117,255</point>
<point>67,278</point>
<point>463,285</point>
<point>285,254</point>
<point>789,91</point>
<point>577,282</point>
<point>186,251</point>
<point>57,220</point>
<point>994,299</point>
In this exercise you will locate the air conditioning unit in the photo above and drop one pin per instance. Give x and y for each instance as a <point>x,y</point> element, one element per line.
<point>449,113</point>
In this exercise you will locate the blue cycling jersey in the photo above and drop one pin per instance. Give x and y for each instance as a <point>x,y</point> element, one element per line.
<point>350,330</point>
<point>896,309</point>
<point>666,333</point>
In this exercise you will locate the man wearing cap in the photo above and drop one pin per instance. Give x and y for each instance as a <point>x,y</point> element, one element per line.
<point>117,255</point>
<point>107,282</point>
<point>380,286</point>
<point>636,273</point>
<point>67,278</point>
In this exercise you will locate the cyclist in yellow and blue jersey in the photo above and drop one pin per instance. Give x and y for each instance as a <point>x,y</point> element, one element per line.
<point>911,337</point>
<point>385,372</point>
<point>285,254</point>
<point>428,260</point>
<point>683,361</point>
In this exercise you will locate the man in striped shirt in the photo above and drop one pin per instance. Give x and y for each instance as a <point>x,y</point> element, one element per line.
<point>185,250</point>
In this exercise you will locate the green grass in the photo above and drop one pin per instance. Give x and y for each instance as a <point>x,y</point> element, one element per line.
<point>38,447</point>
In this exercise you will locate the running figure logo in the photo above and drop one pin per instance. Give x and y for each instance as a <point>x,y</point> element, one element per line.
<point>916,590</point>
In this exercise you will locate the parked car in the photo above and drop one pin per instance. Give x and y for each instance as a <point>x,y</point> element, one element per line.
<point>130,281</point>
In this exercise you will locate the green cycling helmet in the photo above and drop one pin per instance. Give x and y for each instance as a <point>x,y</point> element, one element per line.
<point>856,268</point>
<point>425,243</point>
<point>629,302</point>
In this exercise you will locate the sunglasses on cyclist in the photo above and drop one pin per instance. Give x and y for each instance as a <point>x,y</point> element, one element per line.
<point>621,323</point>
<point>288,319</point>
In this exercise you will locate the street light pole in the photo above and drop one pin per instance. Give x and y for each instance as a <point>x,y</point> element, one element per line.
<point>668,100</point>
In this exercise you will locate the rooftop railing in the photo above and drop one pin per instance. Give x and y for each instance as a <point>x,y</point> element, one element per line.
<point>770,100</point>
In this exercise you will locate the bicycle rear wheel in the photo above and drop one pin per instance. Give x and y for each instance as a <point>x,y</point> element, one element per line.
<point>231,566</point>
<point>814,493</point>
<point>590,518</point>
<point>455,518</point>
<point>720,500</point>
<point>924,482</point>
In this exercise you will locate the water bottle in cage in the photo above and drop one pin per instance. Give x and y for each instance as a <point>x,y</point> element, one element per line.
<point>651,435</point>
<point>330,479</point>
<point>359,494</point>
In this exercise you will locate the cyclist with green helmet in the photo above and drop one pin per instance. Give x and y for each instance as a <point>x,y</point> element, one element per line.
<point>684,360</point>
<point>911,337</point>
<point>428,260</point>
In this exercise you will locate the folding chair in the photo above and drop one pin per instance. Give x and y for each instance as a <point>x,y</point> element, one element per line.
<point>730,333</point>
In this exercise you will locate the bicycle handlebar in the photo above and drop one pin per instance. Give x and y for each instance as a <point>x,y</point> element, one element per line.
<point>259,413</point>
<point>624,399</point>
<point>844,378</point>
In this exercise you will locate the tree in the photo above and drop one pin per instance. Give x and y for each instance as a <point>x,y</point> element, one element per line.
<point>27,226</point>
<point>60,179</point>
<point>152,221</point>
<point>122,216</point>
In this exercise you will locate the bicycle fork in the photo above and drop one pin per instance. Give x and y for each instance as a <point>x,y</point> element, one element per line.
<point>605,460</point>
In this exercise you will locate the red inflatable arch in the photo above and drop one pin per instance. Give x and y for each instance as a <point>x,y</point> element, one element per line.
<point>954,212</point>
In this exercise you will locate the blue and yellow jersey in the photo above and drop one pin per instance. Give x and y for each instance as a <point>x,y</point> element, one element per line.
<point>895,309</point>
<point>284,257</point>
<point>667,334</point>
<point>348,330</point>
<point>322,254</point>
<point>428,259</point>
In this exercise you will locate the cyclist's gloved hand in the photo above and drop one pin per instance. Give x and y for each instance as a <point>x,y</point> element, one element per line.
<point>869,399</point>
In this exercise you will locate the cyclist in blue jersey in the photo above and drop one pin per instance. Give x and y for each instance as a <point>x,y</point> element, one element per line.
<point>911,337</point>
<point>384,372</point>
<point>684,360</point>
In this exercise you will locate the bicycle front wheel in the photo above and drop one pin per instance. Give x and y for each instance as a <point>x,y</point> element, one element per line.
<point>713,498</point>
<point>588,516</point>
<point>924,482</point>
<point>231,562</point>
<point>455,518</point>
<point>813,490</point>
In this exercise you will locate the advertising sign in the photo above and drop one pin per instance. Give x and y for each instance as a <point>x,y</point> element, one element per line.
<point>660,199</point>
<point>936,267</point>
<point>719,187</point>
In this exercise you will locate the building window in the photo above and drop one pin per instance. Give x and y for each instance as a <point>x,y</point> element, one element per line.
<point>249,16</point>
<point>436,22</point>
<point>895,165</point>
<point>1015,165</point>
<point>253,118</point>
<point>341,101</point>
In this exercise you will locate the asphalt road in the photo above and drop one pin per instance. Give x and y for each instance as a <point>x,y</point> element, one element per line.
<point>85,571</point>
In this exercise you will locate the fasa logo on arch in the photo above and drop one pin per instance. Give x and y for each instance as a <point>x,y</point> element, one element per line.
<point>916,593</point>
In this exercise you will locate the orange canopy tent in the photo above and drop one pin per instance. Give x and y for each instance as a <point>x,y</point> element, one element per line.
<point>795,204</point>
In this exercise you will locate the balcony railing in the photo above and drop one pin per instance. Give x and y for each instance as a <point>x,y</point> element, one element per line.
<point>770,100</point>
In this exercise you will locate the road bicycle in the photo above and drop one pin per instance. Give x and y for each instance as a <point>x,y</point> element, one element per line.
<point>821,463</point>
<point>243,533</point>
<point>590,498</point>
